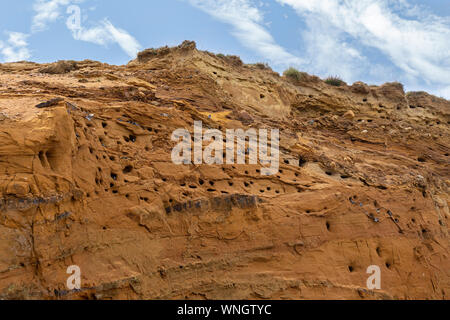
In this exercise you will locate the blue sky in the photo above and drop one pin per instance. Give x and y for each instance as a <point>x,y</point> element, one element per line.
<point>374,41</point>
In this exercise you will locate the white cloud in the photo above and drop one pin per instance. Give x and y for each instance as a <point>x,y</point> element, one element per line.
<point>444,92</point>
<point>414,40</point>
<point>107,33</point>
<point>48,11</point>
<point>16,47</point>
<point>247,22</point>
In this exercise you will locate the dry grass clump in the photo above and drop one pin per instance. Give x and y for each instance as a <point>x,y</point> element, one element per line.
<point>335,81</point>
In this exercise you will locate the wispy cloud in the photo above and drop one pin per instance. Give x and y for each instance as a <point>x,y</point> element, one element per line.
<point>103,33</point>
<point>106,33</point>
<point>247,22</point>
<point>415,41</point>
<point>16,47</point>
<point>47,11</point>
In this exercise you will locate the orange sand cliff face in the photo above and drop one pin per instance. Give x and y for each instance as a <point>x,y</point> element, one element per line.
<point>89,181</point>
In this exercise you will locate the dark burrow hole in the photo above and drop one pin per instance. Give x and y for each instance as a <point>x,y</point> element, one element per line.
<point>388,265</point>
<point>378,249</point>
<point>329,173</point>
<point>328,225</point>
<point>211,190</point>
<point>113,176</point>
<point>230,184</point>
<point>128,169</point>
<point>344,176</point>
<point>246,184</point>
<point>302,161</point>
<point>104,124</point>
<point>201,182</point>
<point>132,138</point>
<point>115,191</point>
<point>421,159</point>
<point>261,96</point>
<point>350,268</point>
<point>286,161</point>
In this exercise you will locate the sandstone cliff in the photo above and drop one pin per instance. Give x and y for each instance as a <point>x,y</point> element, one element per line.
<point>87,179</point>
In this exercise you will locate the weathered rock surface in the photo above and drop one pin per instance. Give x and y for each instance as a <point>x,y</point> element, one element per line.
<point>364,177</point>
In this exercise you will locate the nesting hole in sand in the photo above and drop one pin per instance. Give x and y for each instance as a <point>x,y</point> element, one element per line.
<point>302,162</point>
<point>127,169</point>
<point>351,268</point>
<point>378,250</point>
<point>327,224</point>
<point>104,124</point>
<point>113,176</point>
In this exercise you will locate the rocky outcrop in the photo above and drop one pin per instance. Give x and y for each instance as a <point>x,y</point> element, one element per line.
<point>88,180</point>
